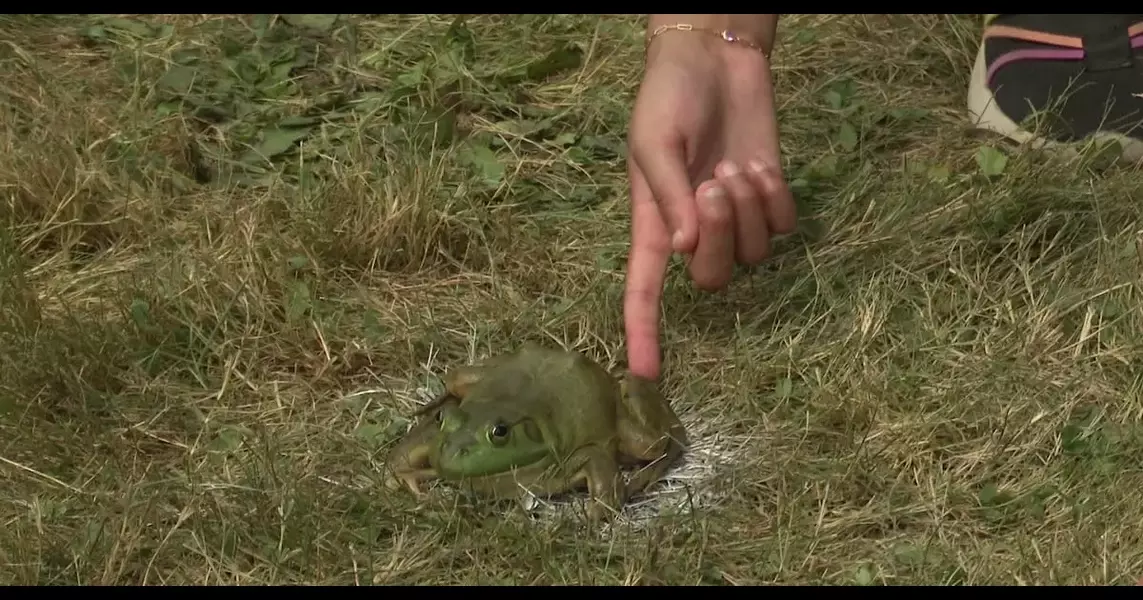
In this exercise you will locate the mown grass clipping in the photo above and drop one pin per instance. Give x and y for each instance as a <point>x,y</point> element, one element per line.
<point>236,250</point>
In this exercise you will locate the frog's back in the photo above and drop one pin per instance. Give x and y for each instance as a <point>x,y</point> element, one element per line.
<point>564,387</point>
<point>564,374</point>
<point>581,395</point>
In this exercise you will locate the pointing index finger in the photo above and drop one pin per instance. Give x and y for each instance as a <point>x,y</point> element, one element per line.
<point>646,272</point>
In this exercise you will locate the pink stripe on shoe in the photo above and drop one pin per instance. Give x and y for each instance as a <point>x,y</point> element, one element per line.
<point>1031,54</point>
<point>1044,54</point>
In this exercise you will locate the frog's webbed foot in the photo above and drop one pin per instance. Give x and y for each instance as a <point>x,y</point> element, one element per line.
<point>411,472</point>
<point>413,481</point>
<point>407,463</point>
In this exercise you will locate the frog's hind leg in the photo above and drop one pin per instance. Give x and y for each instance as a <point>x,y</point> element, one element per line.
<point>660,457</point>
<point>591,466</point>
<point>649,432</point>
<point>457,382</point>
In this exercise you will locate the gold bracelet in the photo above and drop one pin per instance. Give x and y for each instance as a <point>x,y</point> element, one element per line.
<point>725,34</point>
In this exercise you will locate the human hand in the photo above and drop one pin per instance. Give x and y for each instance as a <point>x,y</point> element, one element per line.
<point>704,173</point>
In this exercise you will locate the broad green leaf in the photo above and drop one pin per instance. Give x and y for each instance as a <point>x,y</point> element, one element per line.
<point>397,428</point>
<point>939,173</point>
<point>260,23</point>
<point>485,161</point>
<point>806,36</point>
<point>991,161</point>
<point>414,75</point>
<point>784,388</point>
<point>298,262</point>
<point>847,136</point>
<point>275,141</point>
<point>461,40</point>
<point>561,59</point>
<point>322,23</point>
<point>435,123</point>
<point>373,329</point>
<point>94,32</point>
<point>140,312</point>
<point>298,121</point>
<point>564,140</point>
<point>130,26</point>
<point>298,301</point>
<point>178,80</point>
<point>370,433</point>
<point>825,167</point>
<point>840,94</point>
<point>908,554</point>
<point>278,80</point>
<point>227,440</point>
<point>987,494</point>
<point>908,114</point>
<point>833,99</point>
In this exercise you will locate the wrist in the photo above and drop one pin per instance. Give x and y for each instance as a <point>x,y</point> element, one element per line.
<point>689,46</point>
<point>756,30</point>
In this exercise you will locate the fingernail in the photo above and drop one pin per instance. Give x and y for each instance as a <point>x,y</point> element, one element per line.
<point>730,169</point>
<point>714,192</point>
<point>757,166</point>
<point>677,240</point>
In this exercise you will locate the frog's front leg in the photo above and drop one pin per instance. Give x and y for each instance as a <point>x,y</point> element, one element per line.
<point>649,431</point>
<point>604,483</point>
<point>408,460</point>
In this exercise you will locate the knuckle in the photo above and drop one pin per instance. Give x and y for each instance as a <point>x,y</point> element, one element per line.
<point>738,192</point>
<point>766,182</point>
<point>642,296</point>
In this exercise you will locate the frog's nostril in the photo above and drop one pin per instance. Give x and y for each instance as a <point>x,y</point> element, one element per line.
<point>459,448</point>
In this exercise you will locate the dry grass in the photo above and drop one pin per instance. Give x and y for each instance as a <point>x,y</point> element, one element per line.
<point>206,351</point>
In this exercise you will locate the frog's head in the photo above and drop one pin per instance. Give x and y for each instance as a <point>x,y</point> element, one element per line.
<point>481,440</point>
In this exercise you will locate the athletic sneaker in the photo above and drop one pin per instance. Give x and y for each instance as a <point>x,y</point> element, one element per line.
<point>1060,79</point>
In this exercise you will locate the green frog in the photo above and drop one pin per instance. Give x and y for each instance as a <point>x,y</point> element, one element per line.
<point>543,420</point>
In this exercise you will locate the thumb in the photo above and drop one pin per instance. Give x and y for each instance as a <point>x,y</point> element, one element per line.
<point>664,166</point>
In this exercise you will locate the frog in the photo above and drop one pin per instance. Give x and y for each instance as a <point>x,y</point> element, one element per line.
<point>541,420</point>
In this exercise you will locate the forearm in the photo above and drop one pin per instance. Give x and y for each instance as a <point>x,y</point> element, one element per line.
<point>759,29</point>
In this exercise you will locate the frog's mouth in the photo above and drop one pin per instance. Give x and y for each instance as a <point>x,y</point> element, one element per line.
<point>468,457</point>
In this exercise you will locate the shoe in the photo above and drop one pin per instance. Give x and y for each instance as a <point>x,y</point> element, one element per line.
<point>1056,80</point>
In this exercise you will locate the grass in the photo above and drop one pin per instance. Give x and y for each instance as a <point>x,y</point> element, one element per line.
<point>234,254</point>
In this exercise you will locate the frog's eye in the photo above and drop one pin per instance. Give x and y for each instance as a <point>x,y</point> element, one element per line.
<point>498,434</point>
